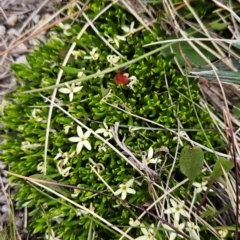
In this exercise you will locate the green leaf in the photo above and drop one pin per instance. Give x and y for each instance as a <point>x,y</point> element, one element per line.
<point>104,91</point>
<point>218,26</point>
<point>56,188</point>
<point>71,70</point>
<point>224,73</point>
<point>222,163</point>
<point>209,212</point>
<point>224,76</point>
<point>191,162</point>
<point>184,48</point>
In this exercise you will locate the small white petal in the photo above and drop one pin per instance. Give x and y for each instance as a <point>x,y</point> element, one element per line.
<point>142,238</point>
<point>176,218</point>
<point>197,190</point>
<point>74,139</point>
<point>61,25</point>
<point>79,147</point>
<point>119,191</point>
<point>174,204</point>
<point>132,25</point>
<point>169,211</point>
<point>79,131</point>
<point>121,38</point>
<point>125,29</point>
<point>154,160</point>
<point>105,134</point>
<point>67,33</point>
<point>87,145</point>
<point>131,191</point>
<point>87,133</point>
<point>196,184</point>
<point>77,89</point>
<point>100,130</point>
<point>133,223</point>
<point>129,183</point>
<point>172,236</point>
<point>124,195</point>
<point>144,230</point>
<point>64,90</point>
<point>79,75</point>
<point>95,56</point>
<point>184,213</point>
<point>70,96</point>
<point>150,153</point>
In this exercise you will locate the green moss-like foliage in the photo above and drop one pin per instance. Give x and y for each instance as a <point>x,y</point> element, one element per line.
<point>26,117</point>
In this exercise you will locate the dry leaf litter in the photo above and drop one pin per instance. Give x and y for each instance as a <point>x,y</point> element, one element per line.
<point>19,20</point>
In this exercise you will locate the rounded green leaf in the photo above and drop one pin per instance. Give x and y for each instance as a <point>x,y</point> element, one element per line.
<point>191,161</point>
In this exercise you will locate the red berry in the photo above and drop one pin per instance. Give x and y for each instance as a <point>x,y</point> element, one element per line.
<point>121,78</point>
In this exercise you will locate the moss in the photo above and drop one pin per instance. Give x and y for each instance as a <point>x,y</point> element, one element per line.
<point>148,99</point>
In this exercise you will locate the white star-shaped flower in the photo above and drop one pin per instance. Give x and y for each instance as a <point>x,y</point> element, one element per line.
<point>133,81</point>
<point>133,223</point>
<point>177,210</point>
<point>148,234</point>
<point>124,189</point>
<point>193,230</point>
<point>93,54</point>
<point>116,39</point>
<point>200,187</point>
<point>173,234</point>
<point>81,74</point>
<point>223,233</point>
<point>78,53</point>
<point>65,28</point>
<point>129,30</point>
<point>113,59</point>
<point>70,90</point>
<point>107,132</point>
<point>178,137</point>
<point>150,158</point>
<point>81,139</point>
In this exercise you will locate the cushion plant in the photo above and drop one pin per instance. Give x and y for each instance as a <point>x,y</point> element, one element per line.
<point>86,148</point>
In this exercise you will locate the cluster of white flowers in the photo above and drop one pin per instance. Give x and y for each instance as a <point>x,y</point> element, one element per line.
<point>148,233</point>
<point>177,210</point>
